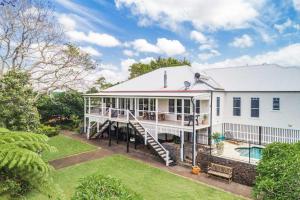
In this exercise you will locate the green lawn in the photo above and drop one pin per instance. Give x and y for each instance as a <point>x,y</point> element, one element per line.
<point>151,183</point>
<point>66,146</point>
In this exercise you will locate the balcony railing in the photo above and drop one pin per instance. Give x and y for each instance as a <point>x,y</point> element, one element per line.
<point>153,117</point>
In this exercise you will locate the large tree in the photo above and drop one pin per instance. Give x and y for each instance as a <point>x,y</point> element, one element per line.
<point>138,69</point>
<point>17,106</point>
<point>32,40</point>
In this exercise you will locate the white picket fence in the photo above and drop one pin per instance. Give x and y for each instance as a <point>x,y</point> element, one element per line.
<point>252,134</point>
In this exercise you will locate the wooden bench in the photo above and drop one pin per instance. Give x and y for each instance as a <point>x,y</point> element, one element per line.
<point>220,171</point>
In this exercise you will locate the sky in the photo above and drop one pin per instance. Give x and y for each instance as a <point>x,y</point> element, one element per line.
<point>209,33</point>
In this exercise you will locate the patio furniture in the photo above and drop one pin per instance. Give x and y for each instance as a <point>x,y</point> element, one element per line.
<point>191,118</point>
<point>161,117</point>
<point>220,171</point>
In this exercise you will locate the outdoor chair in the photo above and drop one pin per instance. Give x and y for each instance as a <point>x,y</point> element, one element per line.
<point>191,118</point>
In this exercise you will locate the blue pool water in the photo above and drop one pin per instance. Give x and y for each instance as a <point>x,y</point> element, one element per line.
<point>255,152</point>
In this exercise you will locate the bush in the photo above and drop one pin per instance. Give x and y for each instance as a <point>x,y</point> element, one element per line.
<point>48,130</point>
<point>278,172</point>
<point>98,187</point>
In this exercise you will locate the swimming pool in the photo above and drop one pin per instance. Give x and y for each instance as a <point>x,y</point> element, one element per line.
<point>255,152</point>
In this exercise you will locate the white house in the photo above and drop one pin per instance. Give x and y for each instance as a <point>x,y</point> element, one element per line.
<point>259,104</point>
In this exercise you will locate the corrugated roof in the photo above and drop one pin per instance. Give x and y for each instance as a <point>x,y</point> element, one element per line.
<point>154,81</point>
<point>265,77</point>
<point>246,78</point>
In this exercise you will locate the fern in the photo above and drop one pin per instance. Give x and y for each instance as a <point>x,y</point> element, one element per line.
<point>20,155</point>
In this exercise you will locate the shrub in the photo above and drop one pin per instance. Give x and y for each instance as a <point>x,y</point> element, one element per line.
<point>278,172</point>
<point>98,187</point>
<point>48,130</point>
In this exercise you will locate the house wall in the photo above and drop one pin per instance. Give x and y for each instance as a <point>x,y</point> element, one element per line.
<point>287,117</point>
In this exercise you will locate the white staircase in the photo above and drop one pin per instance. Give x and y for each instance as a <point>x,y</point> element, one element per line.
<point>150,140</point>
<point>102,128</point>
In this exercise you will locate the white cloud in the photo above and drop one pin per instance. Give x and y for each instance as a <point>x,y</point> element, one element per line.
<point>297,4</point>
<point>90,50</point>
<point>170,47</point>
<point>208,55</point>
<point>242,42</point>
<point>67,22</point>
<point>143,45</point>
<point>198,37</point>
<point>100,39</point>
<point>163,45</point>
<point>281,27</point>
<point>214,14</point>
<point>130,53</point>
<point>146,60</point>
<point>286,56</point>
<point>125,64</point>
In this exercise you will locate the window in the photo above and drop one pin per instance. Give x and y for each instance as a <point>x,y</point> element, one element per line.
<point>179,105</point>
<point>152,104</point>
<point>218,106</point>
<point>113,102</point>
<point>187,106</point>
<point>276,103</point>
<point>236,106</point>
<point>171,105</point>
<point>198,106</point>
<point>254,107</point>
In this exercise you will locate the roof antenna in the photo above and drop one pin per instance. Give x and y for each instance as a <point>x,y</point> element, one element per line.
<point>165,79</point>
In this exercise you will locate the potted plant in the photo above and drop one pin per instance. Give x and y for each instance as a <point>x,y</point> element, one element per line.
<point>216,137</point>
<point>204,121</point>
<point>196,170</point>
<point>220,147</point>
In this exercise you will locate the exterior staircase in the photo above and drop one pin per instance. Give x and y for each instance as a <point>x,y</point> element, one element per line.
<point>152,142</point>
<point>102,128</point>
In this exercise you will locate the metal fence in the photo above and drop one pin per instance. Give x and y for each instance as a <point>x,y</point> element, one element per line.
<point>259,134</point>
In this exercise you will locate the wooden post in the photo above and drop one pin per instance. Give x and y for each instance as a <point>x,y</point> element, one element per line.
<point>102,106</point>
<point>135,139</point>
<point>109,133</point>
<point>128,135</point>
<point>182,145</point>
<point>117,132</point>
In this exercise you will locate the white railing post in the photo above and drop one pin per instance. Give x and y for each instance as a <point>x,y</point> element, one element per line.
<point>89,105</point>
<point>127,115</point>
<point>88,130</point>
<point>109,113</point>
<point>167,158</point>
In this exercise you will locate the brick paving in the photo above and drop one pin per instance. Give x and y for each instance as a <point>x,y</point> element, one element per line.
<point>142,154</point>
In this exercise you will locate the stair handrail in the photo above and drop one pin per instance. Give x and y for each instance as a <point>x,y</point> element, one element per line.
<point>147,132</point>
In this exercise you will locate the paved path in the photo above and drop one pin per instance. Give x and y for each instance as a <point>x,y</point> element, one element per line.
<point>142,154</point>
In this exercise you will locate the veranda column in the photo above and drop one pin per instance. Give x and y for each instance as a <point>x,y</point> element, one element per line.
<point>182,112</point>
<point>89,105</point>
<point>102,106</point>
<point>84,116</point>
<point>181,145</point>
<point>135,107</point>
<point>88,129</point>
<point>156,117</point>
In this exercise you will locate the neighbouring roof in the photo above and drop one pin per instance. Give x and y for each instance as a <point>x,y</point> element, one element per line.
<point>247,78</point>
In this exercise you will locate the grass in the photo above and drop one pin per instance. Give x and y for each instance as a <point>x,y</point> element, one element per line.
<point>66,146</point>
<point>150,182</point>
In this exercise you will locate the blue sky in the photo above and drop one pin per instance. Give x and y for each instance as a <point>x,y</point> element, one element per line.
<point>209,33</point>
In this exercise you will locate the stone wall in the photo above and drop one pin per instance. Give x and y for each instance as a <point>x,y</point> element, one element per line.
<point>174,150</point>
<point>243,173</point>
